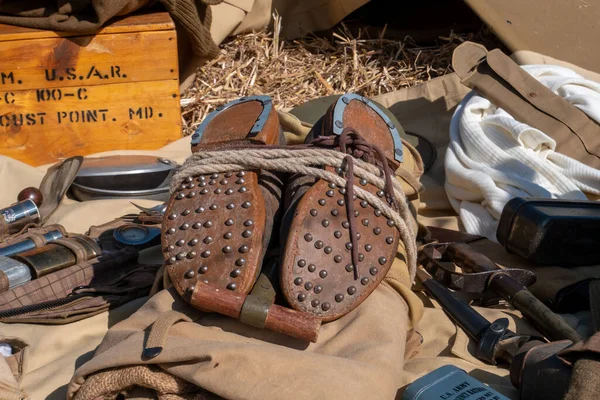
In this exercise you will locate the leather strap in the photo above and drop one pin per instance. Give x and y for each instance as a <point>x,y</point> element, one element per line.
<point>78,250</point>
<point>39,240</point>
<point>504,83</point>
<point>31,232</point>
<point>4,283</point>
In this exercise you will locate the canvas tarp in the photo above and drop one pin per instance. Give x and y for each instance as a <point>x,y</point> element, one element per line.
<point>56,351</point>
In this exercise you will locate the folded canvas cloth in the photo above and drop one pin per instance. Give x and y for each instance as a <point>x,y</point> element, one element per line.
<point>11,368</point>
<point>360,355</point>
<point>492,157</point>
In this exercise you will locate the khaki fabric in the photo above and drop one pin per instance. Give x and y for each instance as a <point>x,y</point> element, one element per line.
<point>523,57</point>
<point>358,355</point>
<point>9,387</point>
<point>11,369</point>
<point>302,17</point>
<point>499,79</point>
<point>298,17</point>
<point>56,352</point>
<point>565,29</point>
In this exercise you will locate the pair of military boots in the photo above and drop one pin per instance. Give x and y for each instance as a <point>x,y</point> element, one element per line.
<point>335,248</point>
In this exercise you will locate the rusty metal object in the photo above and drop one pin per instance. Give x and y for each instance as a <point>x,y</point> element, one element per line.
<point>495,342</point>
<point>539,373</point>
<point>318,273</point>
<point>509,284</point>
<point>434,255</point>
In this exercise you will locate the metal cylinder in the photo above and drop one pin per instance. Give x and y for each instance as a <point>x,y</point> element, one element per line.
<point>28,244</point>
<point>13,273</point>
<point>54,256</point>
<point>20,214</point>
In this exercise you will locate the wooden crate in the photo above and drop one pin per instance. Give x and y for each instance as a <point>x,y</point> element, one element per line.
<point>63,95</point>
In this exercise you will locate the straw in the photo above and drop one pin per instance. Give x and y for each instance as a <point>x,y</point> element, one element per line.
<point>295,71</point>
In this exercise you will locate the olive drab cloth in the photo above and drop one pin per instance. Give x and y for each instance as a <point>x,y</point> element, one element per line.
<point>499,79</point>
<point>373,342</point>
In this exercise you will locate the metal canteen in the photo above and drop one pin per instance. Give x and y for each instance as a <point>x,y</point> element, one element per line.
<point>13,272</point>
<point>131,176</point>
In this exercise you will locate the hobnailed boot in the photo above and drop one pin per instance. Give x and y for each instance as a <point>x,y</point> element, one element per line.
<point>217,226</point>
<point>338,248</point>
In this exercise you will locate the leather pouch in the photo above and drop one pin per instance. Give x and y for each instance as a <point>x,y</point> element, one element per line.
<point>32,232</point>
<point>78,292</point>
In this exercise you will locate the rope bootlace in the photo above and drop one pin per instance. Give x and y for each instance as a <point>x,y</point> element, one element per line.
<point>350,142</point>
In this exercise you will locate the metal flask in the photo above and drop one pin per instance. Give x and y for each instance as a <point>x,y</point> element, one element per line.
<point>13,273</point>
<point>20,214</point>
<point>129,176</point>
<point>54,256</point>
<point>28,244</point>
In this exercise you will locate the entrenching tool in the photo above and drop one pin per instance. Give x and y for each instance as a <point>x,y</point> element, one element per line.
<point>495,342</point>
<point>508,283</point>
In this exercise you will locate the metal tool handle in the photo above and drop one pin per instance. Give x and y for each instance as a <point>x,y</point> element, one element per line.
<point>494,340</point>
<point>545,320</point>
<point>465,257</point>
<point>464,315</point>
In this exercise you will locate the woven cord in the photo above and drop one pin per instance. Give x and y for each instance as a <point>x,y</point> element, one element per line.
<point>309,162</point>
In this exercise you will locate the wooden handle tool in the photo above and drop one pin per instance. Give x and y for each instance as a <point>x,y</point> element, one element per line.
<point>279,319</point>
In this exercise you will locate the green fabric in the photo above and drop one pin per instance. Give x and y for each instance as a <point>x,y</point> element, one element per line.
<point>192,17</point>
